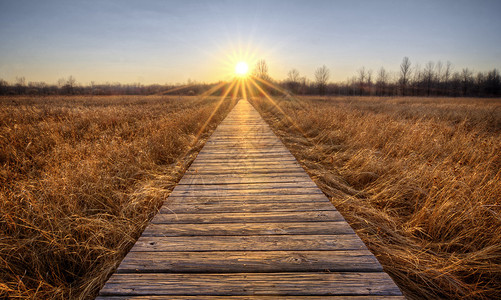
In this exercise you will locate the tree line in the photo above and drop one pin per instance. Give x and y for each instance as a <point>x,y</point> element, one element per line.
<point>69,86</point>
<point>434,79</point>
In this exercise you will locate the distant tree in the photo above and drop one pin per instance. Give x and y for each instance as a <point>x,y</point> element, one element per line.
<point>20,85</point>
<point>293,80</point>
<point>369,81</point>
<point>493,83</point>
<point>382,81</point>
<point>4,85</point>
<point>405,72</point>
<point>466,81</point>
<point>321,77</point>
<point>303,85</point>
<point>429,74</point>
<point>261,70</point>
<point>362,74</point>
<point>438,72</point>
<point>69,85</point>
<point>447,77</point>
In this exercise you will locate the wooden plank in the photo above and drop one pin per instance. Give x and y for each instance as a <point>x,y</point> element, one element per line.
<point>271,175</point>
<point>299,283</point>
<point>244,171</point>
<point>242,229</point>
<point>209,180</point>
<point>245,162</point>
<point>249,243</point>
<point>243,158</point>
<point>258,217</point>
<point>246,186</point>
<point>247,192</point>
<point>252,151</point>
<point>230,206</point>
<point>246,165</point>
<point>247,142</point>
<point>250,262</point>
<point>172,297</point>
<point>247,198</point>
<point>245,155</point>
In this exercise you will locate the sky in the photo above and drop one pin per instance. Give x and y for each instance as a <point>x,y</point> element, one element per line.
<point>176,41</point>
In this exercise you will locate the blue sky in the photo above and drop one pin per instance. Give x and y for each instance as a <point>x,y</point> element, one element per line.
<point>173,41</point>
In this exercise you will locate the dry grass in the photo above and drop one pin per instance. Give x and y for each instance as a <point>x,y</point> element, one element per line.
<point>419,180</point>
<point>80,178</point>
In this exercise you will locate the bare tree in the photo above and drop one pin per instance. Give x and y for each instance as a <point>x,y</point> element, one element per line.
<point>362,74</point>
<point>447,76</point>
<point>303,87</point>
<point>382,81</point>
<point>429,75</point>
<point>466,80</point>
<point>493,83</point>
<point>20,85</point>
<point>293,79</point>
<point>321,77</point>
<point>3,86</point>
<point>369,81</point>
<point>405,73</point>
<point>69,85</point>
<point>261,70</point>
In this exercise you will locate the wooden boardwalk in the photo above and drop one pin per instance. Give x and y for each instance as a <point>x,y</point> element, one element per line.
<point>247,221</point>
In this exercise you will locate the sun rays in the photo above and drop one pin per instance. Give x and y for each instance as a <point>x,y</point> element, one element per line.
<point>243,83</point>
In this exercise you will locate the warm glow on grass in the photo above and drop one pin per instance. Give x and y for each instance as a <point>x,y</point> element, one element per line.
<point>241,69</point>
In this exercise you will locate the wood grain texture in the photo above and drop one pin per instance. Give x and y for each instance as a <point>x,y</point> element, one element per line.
<point>248,186</point>
<point>241,217</point>
<point>250,261</point>
<point>281,297</point>
<point>297,283</point>
<point>242,207</point>
<point>242,229</point>
<point>249,243</point>
<point>247,222</point>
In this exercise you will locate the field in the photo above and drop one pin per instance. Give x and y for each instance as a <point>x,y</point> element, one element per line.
<point>81,177</point>
<point>419,179</point>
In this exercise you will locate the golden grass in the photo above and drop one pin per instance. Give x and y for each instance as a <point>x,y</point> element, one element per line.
<point>80,178</point>
<point>419,179</point>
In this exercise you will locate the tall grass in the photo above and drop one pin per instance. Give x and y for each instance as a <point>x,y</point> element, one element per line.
<point>418,178</point>
<point>80,178</point>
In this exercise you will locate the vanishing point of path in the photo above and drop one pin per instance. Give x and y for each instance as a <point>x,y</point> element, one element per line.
<point>247,221</point>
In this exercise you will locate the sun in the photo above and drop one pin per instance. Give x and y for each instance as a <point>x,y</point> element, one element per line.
<point>241,69</point>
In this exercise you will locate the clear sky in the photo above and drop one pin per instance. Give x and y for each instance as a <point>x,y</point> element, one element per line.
<point>173,41</point>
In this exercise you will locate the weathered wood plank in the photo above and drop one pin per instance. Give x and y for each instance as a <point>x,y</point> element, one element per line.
<point>246,192</point>
<point>250,262</point>
<point>257,217</point>
<point>246,187</point>
<point>249,243</point>
<point>229,207</point>
<point>236,166</point>
<point>171,297</point>
<point>243,171</point>
<point>242,229</point>
<point>342,283</point>
<point>247,198</point>
<point>229,163</point>
<point>296,174</point>
<point>249,151</point>
<point>221,159</point>
<point>252,156</point>
<point>208,180</point>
